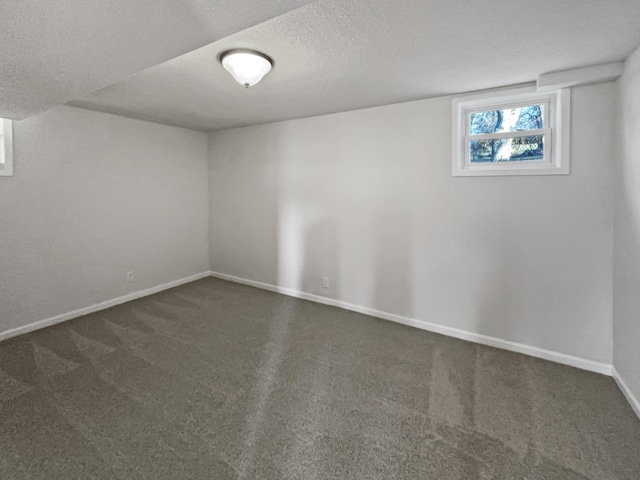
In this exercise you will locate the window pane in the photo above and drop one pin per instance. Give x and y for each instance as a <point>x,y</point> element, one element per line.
<point>507,120</point>
<point>519,149</point>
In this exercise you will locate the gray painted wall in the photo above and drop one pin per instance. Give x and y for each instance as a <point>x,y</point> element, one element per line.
<point>95,196</point>
<point>627,230</point>
<point>367,199</point>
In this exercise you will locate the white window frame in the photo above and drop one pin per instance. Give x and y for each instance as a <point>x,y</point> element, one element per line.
<point>556,132</point>
<point>6,148</point>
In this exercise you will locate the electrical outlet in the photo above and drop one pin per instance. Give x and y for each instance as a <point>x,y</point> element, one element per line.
<point>325,282</point>
<point>129,276</point>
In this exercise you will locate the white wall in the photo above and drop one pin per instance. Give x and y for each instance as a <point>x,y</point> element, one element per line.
<point>95,196</point>
<point>367,199</point>
<point>627,230</point>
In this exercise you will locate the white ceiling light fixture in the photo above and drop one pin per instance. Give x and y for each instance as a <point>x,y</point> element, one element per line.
<point>247,67</point>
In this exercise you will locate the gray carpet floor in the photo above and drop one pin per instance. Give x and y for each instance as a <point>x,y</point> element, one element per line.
<point>221,381</point>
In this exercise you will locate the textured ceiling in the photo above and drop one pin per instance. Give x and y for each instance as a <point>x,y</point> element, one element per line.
<point>54,51</point>
<point>336,55</point>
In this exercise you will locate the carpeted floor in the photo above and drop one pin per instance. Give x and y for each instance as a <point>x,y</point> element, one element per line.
<point>221,381</point>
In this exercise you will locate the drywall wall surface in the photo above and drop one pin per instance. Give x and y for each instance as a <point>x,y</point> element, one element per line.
<point>626,324</point>
<point>93,197</point>
<point>366,199</point>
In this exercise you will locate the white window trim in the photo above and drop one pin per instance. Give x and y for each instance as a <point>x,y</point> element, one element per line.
<point>556,153</point>
<point>6,147</point>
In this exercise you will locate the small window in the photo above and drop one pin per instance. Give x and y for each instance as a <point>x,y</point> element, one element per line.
<point>6,148</point>
<point>514,132</point>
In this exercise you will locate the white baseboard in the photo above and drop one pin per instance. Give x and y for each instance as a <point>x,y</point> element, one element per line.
<point>631,398</point>
<point>557,357</point>
<point>421,324</point>
<point>97,307</point>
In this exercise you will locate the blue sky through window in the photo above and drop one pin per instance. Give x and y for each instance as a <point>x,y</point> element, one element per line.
<point>507,120</point>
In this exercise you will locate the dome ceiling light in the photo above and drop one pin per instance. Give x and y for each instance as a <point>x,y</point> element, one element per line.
<point>247,67</point>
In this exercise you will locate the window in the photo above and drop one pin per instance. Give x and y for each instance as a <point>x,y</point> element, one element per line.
<point>6,148</point>
<point>514,132</point>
